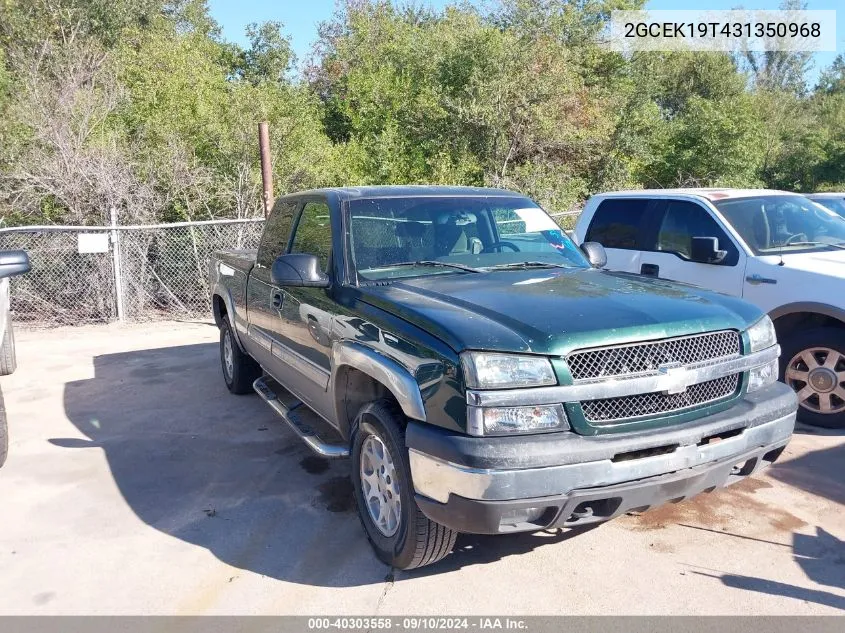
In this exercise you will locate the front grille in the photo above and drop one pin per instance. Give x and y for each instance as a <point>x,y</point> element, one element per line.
<point>640,358</point>
<point>610,410</point>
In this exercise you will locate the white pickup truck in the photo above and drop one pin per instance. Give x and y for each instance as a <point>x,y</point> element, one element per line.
<point>779,250</point>
<point>11,263</point>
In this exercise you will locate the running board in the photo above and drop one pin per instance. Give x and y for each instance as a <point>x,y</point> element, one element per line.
<point>301,428</point>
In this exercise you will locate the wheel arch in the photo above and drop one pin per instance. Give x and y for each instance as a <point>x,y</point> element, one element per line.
<point>222,307</point>
<point>804,314</point>
<point>360,375</point>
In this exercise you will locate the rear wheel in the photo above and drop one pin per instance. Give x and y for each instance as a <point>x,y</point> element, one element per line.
<point>8,360</point>
<point>401,535</point>
<point>813,364</point>
<point>239,369</point>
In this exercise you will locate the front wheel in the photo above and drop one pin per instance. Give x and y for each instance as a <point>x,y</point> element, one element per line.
<point>813,364</point>
<point>401,535</point>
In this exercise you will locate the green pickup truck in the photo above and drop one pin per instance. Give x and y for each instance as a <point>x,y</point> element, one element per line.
<point>483,373</point>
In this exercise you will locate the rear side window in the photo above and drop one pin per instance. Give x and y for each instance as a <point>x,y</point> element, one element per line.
<point>276,232</point>
<point>616,223</point>
<point>684,220</point>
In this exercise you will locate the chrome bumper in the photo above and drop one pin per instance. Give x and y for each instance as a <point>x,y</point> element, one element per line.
<point>437,479</point>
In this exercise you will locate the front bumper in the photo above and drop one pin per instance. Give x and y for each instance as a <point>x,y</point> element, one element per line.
<point>484,485</point>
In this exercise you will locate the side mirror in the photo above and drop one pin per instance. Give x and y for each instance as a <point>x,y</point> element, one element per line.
<point>595,254</point>
<point>298,269</point>
<point>13,263</point>
<point>705,250</point>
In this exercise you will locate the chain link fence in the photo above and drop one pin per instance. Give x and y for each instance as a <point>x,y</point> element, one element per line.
<point>135,273</point>
<point>84,274</point>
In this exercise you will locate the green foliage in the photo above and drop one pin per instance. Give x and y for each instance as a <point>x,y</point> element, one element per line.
<point>143,106</point>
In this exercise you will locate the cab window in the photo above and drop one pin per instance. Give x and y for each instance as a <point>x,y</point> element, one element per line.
<point>682,220</point>
<point>617,223</point>
<point>313,232</point>
<point>274,240</point>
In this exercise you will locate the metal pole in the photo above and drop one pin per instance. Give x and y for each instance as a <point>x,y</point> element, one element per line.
<point>266,166</point>
<point>118,279</point>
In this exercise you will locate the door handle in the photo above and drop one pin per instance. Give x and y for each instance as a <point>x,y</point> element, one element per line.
<point>759,279</point>
<point>651,270</point>
<point>277,300</point>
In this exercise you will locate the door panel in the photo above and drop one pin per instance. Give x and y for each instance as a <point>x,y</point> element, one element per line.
<point>668,249</point>
<point>302,323</point>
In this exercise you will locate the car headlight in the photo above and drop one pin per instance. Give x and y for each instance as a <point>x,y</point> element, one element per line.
<point>762,376</point>
<point>485,370</point>
<point>762,334</point>
<point>508,420</point>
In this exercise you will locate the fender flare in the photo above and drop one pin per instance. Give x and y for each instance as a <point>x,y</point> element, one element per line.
<point>810,307</point>
<point>387,371</point>
<point>225,295</point>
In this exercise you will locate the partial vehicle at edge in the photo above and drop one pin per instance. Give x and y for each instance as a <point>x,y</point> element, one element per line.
<point>778,250</point>
<point>11,263</point>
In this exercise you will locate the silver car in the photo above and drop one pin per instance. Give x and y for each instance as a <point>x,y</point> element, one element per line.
<point>11,263</point>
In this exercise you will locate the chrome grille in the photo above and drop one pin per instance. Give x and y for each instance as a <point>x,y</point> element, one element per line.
<point>610,410</point>
<point>647,357</point>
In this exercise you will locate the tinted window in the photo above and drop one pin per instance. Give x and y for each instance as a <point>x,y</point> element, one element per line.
<point>616,223</point>
<point>684,220</point>
<point>276,232</point>
<point>313,232</point>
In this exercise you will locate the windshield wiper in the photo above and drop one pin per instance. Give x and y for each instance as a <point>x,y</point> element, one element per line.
<point>833,244</point>
<point>520,265</point>
<point>432,262</point>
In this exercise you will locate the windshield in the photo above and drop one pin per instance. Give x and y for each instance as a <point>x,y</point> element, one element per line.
<point>787,224</point>
<point>837,205</point>
<point>404,237</point>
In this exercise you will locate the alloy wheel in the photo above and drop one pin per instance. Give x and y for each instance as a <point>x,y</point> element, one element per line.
<point>380,486</point>
<point>817,375</point>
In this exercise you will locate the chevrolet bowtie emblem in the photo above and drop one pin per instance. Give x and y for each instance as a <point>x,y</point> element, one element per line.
<point>680,378</point>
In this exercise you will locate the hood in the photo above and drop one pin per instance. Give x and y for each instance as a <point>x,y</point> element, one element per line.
<point>555,311</point>
<point>831,263</point>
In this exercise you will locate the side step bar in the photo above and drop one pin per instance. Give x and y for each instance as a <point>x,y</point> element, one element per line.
<point>305,432</point>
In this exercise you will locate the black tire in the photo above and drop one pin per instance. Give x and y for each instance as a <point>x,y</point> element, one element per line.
<point>244,370</point>
<point>4,432</point>
<point>814,341</point>
<point>8,359</point>
<point>418,541</point>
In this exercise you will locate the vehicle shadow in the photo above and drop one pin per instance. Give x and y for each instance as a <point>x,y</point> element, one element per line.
<point>820,556</point>
<point>223,472</point>
<point>819,472</point>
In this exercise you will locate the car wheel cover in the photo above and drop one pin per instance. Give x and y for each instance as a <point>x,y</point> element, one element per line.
<point>380,486</point>
<point>228,355</point>
<point>817,375</point>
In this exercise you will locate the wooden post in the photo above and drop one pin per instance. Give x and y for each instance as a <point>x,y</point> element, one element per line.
<point>266,165</point>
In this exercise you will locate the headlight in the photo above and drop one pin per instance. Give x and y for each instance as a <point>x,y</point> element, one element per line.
<point>484,370</point>
<point>762,334</point>
<point>507,420</point>
<point>762,376</point>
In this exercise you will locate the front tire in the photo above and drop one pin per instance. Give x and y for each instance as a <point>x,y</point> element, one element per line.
<point>239,369</point>
<point>401,535</point>
<point>8,358</point>
<point>813,364</point>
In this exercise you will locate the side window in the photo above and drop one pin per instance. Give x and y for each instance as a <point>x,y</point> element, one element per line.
<point>274,240</point>
<point>616,223</point>
<point>684,220</point>
<point>314,232</point>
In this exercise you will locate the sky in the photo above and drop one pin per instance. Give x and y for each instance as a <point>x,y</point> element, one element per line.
<point>302,17</point>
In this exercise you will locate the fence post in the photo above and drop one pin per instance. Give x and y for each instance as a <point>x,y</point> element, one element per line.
<point>118,279</point>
